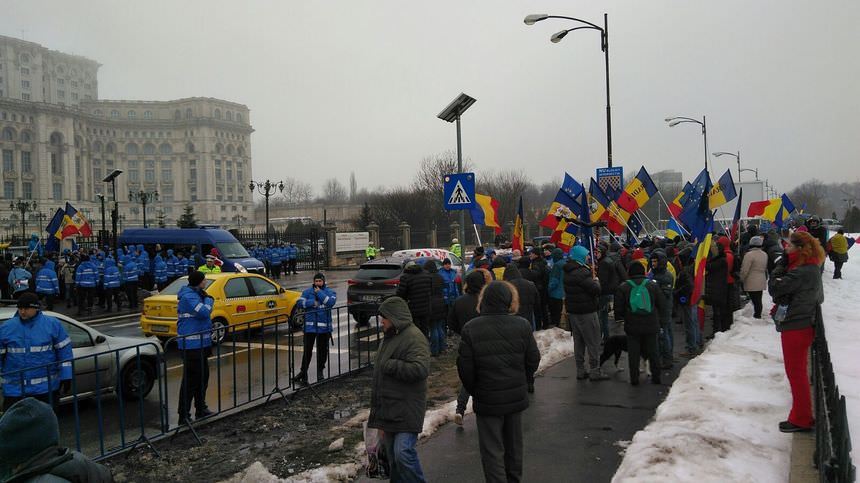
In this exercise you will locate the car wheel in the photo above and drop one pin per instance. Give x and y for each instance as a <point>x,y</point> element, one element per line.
<point>297,320</point>
<point>362,318</point>
<point>137,379</point>
<point>219,330</point>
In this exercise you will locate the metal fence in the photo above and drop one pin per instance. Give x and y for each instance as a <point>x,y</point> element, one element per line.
<point>312,245</point>
<point>124,398</point>
<point>832,439</point>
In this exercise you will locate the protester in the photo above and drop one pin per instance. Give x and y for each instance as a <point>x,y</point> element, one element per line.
<point>47,284</point>
<point>716,290</point>
<point>666,283</point>
<point>582,293</point>
<point>416,289</point>
<point>540,277</point>
<point>796,287</point>
<point>35,355</point>
<point>30,449</point>
<point>526,290</point>
<point>452,283</point>
<point>195,342</point>
<point>497,355</point>
<point>317,302</point>
<point>19,278</point>
<point>687,311</point>
<point>638,302</point>
<point>838,245</point>
<point>437,308</point>
<point>399,390</point>
<point>555,286</point>
<point>498,268</point>
<point>610,272</point>
<point>465,308</point>
<point>754,273</point>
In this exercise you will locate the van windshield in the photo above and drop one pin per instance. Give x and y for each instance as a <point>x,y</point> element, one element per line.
<point>232,250</point>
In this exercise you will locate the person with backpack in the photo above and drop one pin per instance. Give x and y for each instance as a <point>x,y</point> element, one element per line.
<point>666,283</point>
<point>638,302</point>
<point>581,292</point>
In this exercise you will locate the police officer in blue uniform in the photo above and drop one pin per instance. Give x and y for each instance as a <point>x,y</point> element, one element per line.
<point>317,302</point>
<point>35,355</point>
<point>195,342</point>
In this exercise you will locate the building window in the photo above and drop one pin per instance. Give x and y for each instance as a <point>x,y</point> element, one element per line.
<point>240,176</point>
<point>74,83</point>
<point>61,81</point>
<point>25,137</point>
<point>192,175</point>
<point>56,165</point>
<point>25,96</point>
<point>25,84</point>
<point>150,172</point>
<point>238,117</point>
<point>188,113</point>
<point>9,189</point>
<point>25,71</point>
<point>217,174</point>
<point>61,94</point>
<point>8,161</point>
<point>78,166</point>
<point>148,148</point>
<point>27,190</point>
<point>131,148</point>
<point>132,114</point>
<point>74,96</point>
<point>114,114</point>
<point>229,116</point>
<point>229,175</point>
<point>177,115</point>
<point>97,174</point>
<point>165,148</point>
<point>58,191</point>
<point>79,191</point>
<point>8,134</point>
<point>147,114</point>
<point>26,163</point>
<point>133,171</point>
<point>217,113</point>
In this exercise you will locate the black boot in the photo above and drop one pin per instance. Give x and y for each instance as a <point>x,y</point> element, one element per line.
<point>301,379</point>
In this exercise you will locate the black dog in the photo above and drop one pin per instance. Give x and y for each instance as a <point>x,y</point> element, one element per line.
<point>614,346</point>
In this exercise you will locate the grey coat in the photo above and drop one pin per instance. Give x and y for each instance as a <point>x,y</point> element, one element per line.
<point>754,270</point>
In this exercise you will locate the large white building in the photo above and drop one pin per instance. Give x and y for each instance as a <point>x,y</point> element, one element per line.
<point>59,140</point>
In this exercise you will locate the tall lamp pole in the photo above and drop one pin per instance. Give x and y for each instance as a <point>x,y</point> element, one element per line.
<point>144,198</point>
<point>101,198</point>
<point>674,121</point>
<point>114,214</point>
<point>736,156</point>
<point>452,113</point>
<point>23,206</point>
<point>267,189</point>
<point>751,171</point>
<point>604,46</point>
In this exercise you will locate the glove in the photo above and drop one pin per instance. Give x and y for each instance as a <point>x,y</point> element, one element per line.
<point>65,386</point>
<point>204,295</point>
<point>683,300</point>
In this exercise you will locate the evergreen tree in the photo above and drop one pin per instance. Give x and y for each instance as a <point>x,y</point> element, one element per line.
<point>187,220</point>
<point>364,218</point>
<point>160,218</point>
<point>851,222</point>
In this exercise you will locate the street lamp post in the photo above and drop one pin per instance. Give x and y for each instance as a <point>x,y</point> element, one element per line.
<point>736,156</point>
<point>114,214</point>
<point>101,198</point>
<point>452,113</point>
<point>23,206</point>
<point>266,189</point>
<point>144,198</point>
<point>674,121</point>
<point>751,171</point>
<point>604,46</point>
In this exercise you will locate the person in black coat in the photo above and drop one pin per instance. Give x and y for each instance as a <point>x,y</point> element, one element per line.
<point>581,293</point>
<point>497,355</point>
<point>438,311</point>
<point>464,309</point>
<point>717,289</point>
<point>539,274</point>
<point>416,288</point>
<point>641,329</point>
<point>528,293</point>
<point>610,272</point>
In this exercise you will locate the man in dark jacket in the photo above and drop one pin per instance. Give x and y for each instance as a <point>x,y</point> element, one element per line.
<point>398,396</point>
<point>497,354</point>
<point>465,308</point>
<point>526,290</point>
<point>665,282</point>
<point>539,273</point>
<point>716,288</point>
<point>30,451</point>
<point>641,328</point>
<point>581,293</point>
<point>416,289</point>
<point>438,310</point>
<point>610,272</point>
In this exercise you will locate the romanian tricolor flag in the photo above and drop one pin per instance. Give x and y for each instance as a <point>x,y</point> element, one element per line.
<point>722,192</point>
<point>678,203</point>
<point>75,223</point>
<point>785,210</point>
<point>564,205</point>
<point>699,270</point>
<point>772,209</point>
<point>486,212</point>
<point>517,243</point>
<point>55,231</point>
<point>597,202</point>
<point>673,229</point>
<point>634,196</point>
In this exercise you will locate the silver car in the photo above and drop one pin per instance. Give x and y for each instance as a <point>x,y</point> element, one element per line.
<point>128,366</point>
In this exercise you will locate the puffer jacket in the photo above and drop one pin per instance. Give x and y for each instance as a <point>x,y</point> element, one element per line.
<point>555,284</point>
<point>25,347</point>
<point>801,288</point>
<point>497,356</point>
<point>465,308</point>
<point>451,288</point>
<point>317,304</point>
<point>716,288</point>
<point>838,248</point>
<point>438,309</point>
<point>580,290</point>
<point>47,281</point>
<point>416,289</point>
<point>19,279</point>
<point>664,279</point>
<point>528,293</point>
<point>129,271</point>
<point>194,311</point>
<point>754,270</point>
<point>639,324</point>
<point>85,275</point>
<point>398,398</point>
<point>610,272</point>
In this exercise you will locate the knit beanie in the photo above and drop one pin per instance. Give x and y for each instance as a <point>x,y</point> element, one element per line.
<point>636,270</point>
<point>195,278</point>
<point>27,428</point>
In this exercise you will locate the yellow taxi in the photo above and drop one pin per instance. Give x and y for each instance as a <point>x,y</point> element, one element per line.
<point>242,301</point>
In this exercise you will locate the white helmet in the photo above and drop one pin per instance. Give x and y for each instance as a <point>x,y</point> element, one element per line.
<point>455,241</point>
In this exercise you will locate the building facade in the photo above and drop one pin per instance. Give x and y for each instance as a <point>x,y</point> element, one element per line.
<point>59,141</point>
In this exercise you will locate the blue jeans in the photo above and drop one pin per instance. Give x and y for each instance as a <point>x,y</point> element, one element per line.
<point>437,337</point>
<point>402,457</point>
<point>603,314</point>
<point>690,318</point>
<point>665,338</point>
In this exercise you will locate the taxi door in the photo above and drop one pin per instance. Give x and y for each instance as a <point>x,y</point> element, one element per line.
<point>239,303</point>
<point>271,303</point>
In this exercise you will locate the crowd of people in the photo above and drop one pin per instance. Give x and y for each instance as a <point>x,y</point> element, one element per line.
<point>278,258</point>
<point>619,295</point>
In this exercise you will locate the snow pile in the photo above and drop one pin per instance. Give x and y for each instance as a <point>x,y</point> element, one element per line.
<point>841,299</point>
<point>719,421</point>
<point>554,345</point>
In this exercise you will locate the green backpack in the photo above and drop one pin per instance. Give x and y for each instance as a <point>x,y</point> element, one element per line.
<point>640,299</point>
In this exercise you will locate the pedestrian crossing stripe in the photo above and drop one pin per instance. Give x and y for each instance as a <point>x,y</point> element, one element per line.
<point>459,196</point>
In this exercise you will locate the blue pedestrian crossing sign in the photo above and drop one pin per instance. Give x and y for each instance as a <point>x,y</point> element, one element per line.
<point>459,191</point>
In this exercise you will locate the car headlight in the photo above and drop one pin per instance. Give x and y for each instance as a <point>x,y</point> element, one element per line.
<point>239,268</point>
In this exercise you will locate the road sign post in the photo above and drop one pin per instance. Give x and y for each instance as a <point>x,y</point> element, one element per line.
<point>459,191</point>
<point>611,178</point>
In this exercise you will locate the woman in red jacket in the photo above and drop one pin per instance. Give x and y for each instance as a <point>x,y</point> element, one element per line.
<point>796,288</point>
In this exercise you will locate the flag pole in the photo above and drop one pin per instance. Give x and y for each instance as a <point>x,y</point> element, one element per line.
<point>656,228</point>
<point>477,235</point>
<point>681,225</point>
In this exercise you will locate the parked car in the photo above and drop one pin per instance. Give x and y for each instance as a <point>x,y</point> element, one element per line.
<point>242,301</point>
<point>375,281</point>
<point>119,369</point>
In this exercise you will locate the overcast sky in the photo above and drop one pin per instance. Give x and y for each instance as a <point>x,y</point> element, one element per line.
<point>340,86</point>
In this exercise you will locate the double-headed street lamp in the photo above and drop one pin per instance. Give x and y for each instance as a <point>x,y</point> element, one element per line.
<point>114,213</point>
<point>144,198</point>
<point>751,171</point>
<point>604,46</point>
<point>674,121</point>
<point>266,189</point>
<point>736,156</point>
<point>23,206</point>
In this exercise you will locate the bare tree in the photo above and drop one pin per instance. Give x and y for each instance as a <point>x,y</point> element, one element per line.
<point>295,192</point>
<point>334,191</point>
<point>506,187</point>
<point>353,187</point>
<point>812,194</point>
